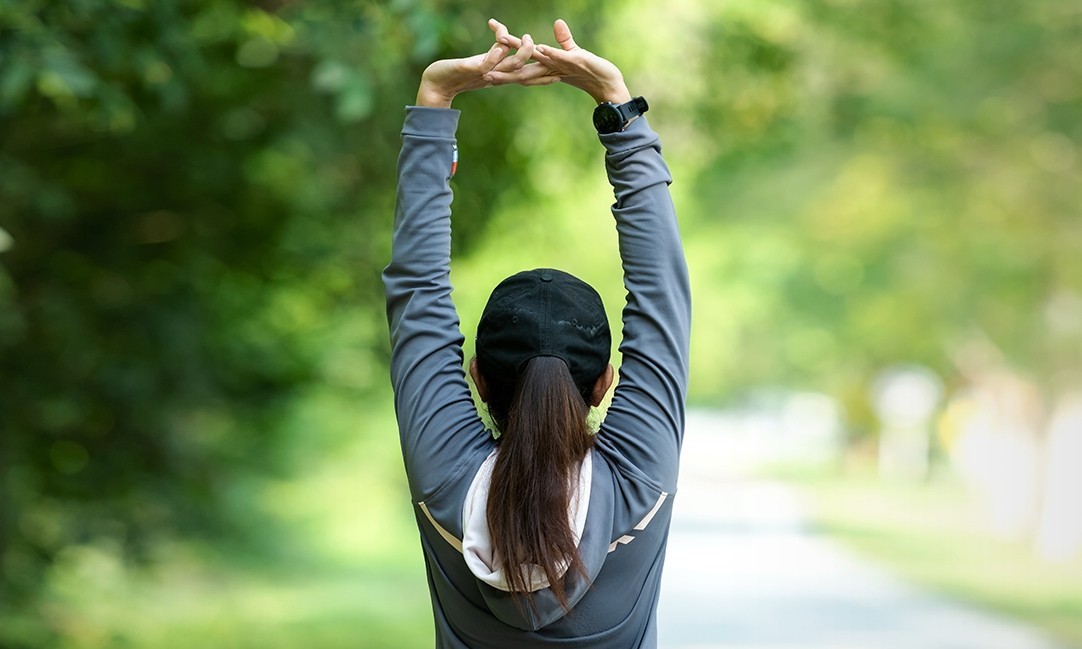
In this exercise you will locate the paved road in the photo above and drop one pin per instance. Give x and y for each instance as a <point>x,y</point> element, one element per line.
<point>744,572</point>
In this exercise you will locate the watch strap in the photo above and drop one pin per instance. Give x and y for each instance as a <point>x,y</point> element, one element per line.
<point>632,109</point>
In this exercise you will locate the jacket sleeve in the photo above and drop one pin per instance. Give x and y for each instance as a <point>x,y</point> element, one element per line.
<point>438,423</point>
<point>645,422</point>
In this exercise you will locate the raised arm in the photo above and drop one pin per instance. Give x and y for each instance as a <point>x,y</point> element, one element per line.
<point>645,422</point>
<point>436,416</point>
<point>646,418</point>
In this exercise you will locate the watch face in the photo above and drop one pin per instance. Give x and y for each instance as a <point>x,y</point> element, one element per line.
<point>607,119</point>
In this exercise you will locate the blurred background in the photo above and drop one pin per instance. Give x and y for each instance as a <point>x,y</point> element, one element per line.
<point>880,203</point>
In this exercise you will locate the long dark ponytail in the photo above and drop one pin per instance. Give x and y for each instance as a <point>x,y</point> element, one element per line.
<point>542,419</point>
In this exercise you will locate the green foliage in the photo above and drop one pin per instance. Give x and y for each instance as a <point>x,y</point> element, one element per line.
<point>887,182</point>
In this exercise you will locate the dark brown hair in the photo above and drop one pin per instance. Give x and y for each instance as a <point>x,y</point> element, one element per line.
<point>543,438</point>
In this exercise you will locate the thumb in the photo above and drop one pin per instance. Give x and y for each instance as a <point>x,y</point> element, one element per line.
<point>563,35</point>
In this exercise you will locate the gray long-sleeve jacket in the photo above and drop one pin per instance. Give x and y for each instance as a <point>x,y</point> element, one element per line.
<point>444,443</point>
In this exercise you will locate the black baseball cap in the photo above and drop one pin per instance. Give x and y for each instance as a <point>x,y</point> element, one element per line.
<point>544,312</point>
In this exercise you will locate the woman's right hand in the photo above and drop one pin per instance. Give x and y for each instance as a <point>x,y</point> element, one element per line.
<point>598,77</point>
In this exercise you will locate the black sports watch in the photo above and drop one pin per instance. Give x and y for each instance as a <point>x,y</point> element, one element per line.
<point>610,118</point>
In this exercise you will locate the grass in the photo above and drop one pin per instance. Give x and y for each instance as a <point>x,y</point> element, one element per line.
<point>94,601</point>
<point>213,606</point>
<point>932,534</point>
<point>341,567</point>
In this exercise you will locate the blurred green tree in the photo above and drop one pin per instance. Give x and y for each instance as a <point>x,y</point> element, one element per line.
<point>896,183</point>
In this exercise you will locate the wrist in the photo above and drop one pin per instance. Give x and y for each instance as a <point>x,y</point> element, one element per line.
<point>432,97</point>
<point>614,93</point>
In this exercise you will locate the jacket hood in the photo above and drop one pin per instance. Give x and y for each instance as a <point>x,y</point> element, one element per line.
<point>593,544</point>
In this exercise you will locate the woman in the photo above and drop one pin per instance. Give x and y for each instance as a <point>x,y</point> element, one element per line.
<point>547,535</point>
